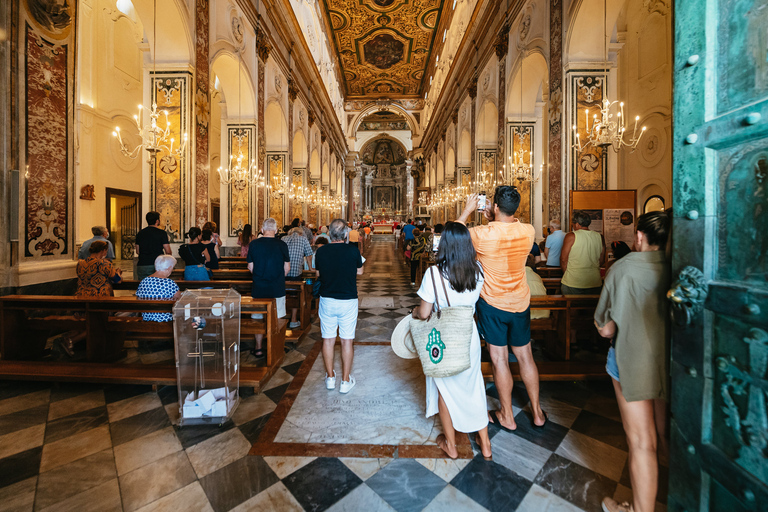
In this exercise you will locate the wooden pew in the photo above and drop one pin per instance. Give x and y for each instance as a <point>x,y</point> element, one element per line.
<point>298,294</point>
<point>27,321</point>
<point>555,332</point>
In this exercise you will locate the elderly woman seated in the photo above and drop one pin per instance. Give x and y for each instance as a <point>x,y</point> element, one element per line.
<point>159,286</point>
<point>96,274</point>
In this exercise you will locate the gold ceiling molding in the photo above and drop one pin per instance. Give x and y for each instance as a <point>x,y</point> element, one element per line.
<point>384,46</point>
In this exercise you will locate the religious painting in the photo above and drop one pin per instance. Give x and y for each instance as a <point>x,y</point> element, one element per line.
<point>383,198</point>
<point>170,90</point>
<point>521,137</point>
<point>241,144</point>
<point>53,16</point>
<point>276,172</point>
<point>588,166</point>
<point>383,51</point>
<point>47,105</point>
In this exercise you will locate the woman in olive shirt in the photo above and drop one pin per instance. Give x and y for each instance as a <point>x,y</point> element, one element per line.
<point>633,312</point>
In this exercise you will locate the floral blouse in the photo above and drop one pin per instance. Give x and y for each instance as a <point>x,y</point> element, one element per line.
<point>95,277</point>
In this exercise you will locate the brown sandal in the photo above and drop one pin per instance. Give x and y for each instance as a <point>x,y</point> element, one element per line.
<point>442,443</point>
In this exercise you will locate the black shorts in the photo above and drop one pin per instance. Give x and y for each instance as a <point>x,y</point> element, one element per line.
<point>502,328</point>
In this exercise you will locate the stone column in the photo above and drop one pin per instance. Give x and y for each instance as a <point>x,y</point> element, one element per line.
<point>203,109</point>
<point>263,48</point>
<point>555,108</point>
<point>473,112</point>
<point>501,46</point>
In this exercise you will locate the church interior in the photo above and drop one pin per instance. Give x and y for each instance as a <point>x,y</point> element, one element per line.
<point>226,113</point>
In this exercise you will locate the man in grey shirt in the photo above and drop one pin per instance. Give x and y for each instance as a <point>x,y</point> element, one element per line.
<point>99,233</point>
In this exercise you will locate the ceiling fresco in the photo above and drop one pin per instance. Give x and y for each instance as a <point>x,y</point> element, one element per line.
<point>384,120</point>
<point>383,45</point>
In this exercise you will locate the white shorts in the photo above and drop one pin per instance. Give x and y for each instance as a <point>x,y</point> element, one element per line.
<point>341,314</point>
<point>279,307</point>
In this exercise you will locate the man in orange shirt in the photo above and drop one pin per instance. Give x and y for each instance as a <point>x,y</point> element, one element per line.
<point>503,311</point>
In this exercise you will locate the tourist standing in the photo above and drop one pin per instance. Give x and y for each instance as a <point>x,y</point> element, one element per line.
<point>408,233</point>
<point>99,233</point>
<point>338,264</point>
<point>581,257</point>
<point>151,242</point>
<point>503,311</point>
<point>416,247</point>
<point>269,262</point>
<point>206,238</point>
<point>554,243</point>
<point>244,239</point>
<point>299,251</point>
<point>459,400</point>
<point>633,312</point>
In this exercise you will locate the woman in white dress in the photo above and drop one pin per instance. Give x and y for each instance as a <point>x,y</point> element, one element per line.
<point>459,400</point>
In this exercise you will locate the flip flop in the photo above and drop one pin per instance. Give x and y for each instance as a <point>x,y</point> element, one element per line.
<point>546,419</point>
<point>495,420</point>
<point>442,440</point>
<point>257,353</point>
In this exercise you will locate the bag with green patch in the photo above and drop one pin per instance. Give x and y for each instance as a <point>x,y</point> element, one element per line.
<point>443,340</point>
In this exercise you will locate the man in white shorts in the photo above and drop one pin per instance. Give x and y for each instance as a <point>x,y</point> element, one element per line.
<point>338,264</point>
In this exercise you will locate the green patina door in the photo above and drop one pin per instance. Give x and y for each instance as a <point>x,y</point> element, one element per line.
<point>720,350</point>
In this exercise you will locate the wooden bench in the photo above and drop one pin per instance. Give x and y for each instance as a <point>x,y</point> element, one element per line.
<point>298,295</point>
<point>555,333</point>
<point>27,321</point>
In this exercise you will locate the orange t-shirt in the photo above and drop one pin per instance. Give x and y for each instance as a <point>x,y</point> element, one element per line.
<point>503,248</point>
<point>367,230</point>
<point>354,236</point>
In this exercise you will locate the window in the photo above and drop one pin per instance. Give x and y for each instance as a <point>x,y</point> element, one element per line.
<point>654,204</point>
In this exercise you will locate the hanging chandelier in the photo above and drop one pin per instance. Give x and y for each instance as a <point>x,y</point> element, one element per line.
<point>154,139</point>
<point>607,129</point>
<point>239,172</point>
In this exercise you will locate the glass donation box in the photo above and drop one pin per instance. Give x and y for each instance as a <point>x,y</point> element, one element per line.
<point>206,325</point>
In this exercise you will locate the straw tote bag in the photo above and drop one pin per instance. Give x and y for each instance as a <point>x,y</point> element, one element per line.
<point>443,340</point>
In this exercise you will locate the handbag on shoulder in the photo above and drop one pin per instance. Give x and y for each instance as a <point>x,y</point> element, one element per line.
<point>443,340</point>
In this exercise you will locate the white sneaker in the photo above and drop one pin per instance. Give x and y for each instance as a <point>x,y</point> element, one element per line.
<point>330,382</point>
<point>346,387</point>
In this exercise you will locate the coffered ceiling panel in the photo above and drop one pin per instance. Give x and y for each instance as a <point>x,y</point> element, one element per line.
<point>383,45</point>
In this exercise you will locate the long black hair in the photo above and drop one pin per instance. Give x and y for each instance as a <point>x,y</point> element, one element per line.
<point>456,257</point>
<point>246,234</point>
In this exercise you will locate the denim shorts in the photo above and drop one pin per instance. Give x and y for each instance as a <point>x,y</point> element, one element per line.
<point>338,314</point>
<point>610,365</point>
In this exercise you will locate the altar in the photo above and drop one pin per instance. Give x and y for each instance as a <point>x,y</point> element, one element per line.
<point>383,228</point>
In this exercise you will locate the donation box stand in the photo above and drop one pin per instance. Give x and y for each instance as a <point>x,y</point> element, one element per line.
<point>206,326</point>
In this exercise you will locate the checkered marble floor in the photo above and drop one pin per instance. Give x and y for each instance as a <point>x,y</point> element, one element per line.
<point>87,447</point>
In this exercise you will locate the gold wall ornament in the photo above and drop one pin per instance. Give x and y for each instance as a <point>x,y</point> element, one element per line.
<point>88,193</point>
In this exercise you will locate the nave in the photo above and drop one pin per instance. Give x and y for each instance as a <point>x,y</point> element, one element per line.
<point>115,447</point>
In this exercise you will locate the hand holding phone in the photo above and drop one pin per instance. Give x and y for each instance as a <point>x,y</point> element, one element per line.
<point>481,202</point>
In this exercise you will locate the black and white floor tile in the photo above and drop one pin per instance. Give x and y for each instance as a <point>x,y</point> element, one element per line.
<point>84,447</point>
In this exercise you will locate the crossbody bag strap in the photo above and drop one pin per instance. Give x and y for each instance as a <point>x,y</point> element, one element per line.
<point>434,286</point>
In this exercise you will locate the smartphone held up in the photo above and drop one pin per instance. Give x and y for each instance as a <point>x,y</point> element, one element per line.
<point>481,202</point>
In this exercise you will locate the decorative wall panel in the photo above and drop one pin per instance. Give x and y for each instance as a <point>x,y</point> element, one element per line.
<point>168,176</point>
<point>588,167</point>
<point>555,107</point>
<point>297,180</point>
<point>202,111</point>
<point>514,130</point>
<point>261,206</point>
<point>242,140</point>
<point>384,46</point>
<point>276,163</point>
<point>312,217</point>
<point>49,66</point>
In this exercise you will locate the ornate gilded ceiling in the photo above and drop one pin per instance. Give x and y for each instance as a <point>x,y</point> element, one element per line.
<point>383,45</point>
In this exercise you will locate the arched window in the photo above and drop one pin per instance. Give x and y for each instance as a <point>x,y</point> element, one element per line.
<point>654,204</point>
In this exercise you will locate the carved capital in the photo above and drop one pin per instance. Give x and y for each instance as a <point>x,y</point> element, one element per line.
<point>472,87</point>
<point>262,44</point>
<point>501,45</point>
<point>323,136</point>
<point>442,137</point>
<point>310,118</point>
<point>293,89</point>
<point>455,116</point>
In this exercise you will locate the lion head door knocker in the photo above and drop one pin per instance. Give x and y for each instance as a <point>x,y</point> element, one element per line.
<point>687,295</point>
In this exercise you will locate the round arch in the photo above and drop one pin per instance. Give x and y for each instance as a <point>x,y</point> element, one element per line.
<point>226,67</point>
<point>175,42</point>
<point>535,74</point>
<point>487,125</point>
<point>465,149</point>
<point>314,165</point>
<point>585,18</point>
<point>275,127</point>
<point>299,149</point>
<point>370,146</point>
<point>373,108</point>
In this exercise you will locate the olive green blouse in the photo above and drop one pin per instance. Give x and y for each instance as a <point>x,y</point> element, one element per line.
<point>634,298</point>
